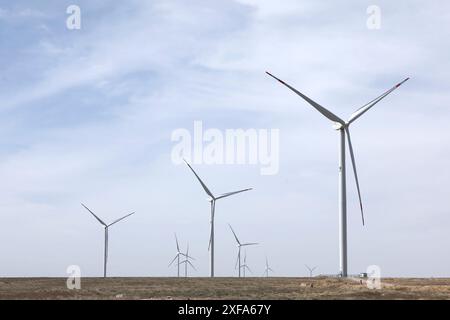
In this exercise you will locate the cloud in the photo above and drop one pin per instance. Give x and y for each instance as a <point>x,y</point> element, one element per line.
<point>20,14</point>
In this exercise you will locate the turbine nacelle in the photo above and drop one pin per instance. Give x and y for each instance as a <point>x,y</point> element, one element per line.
<point>338,126</point>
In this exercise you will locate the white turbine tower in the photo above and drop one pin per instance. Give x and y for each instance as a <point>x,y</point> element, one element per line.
<point>268,268</point>
<point>212,199</point>
<point>187,262</point>
<point>240,245</point>
<point>177,256</point>
<point>106,235</point>
<point>311,270</point>
<point>343,127</point>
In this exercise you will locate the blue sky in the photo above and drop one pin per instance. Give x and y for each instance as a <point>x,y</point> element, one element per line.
<point>87,116</point>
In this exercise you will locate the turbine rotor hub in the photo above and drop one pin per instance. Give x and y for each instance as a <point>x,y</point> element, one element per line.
<point>338,126</point>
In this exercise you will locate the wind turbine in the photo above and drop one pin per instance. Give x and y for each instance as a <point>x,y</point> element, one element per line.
<point>212,199</point>
<point>268,269</point>
<point>240,245</point>
<point>343,127</point>
<point>106,235</point>
<point>177,256</point>
<point>311,270</point>
<point>245,266</point>
<point>187,262</point>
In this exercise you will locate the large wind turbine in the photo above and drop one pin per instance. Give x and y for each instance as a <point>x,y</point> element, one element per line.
<point>212,199</point>
<point>106,235</point>
<point>343,127</point>
<point>177,256</point>
<point>240,245</point>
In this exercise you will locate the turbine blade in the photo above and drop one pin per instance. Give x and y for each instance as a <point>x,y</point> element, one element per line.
<point>121,219</point>
<point>352,156</point>
<point>176,241</point>
<point>232,193</point>
<point>237,260</point>
<point>327,113</point>
<point>200,180</point>
<point>355,115</point>
<point>191,265</point>
<point>173,260</point>
<point>235,236</point>
<point>187,253</point>
<point>99,220</point>
<point>249,244</point>
<point>248,268</point>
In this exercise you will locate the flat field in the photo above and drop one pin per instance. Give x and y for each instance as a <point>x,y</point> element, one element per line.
<point>224,288</point>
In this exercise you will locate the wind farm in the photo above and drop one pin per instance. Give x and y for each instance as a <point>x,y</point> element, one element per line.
<point>276,286</point>
<point>246,283</point>
<point>165,150</point>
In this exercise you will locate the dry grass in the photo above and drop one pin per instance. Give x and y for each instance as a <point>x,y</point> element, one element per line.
<point>222,288</point>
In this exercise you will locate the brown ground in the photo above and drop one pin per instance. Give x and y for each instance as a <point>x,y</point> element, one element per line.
<point>222,288</point>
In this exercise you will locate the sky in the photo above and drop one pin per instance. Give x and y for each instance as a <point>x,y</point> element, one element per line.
<point>87,115</point>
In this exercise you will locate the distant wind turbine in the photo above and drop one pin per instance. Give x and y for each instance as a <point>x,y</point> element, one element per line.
<point>245,266</point>
<point>343,127</point>
<point>311,270</point>
<point>212,199</point>
<point>177,256</point>
<point>187,262</point>
<point>106,235</point>
<point>240,245</point>
<point>268,268</point>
